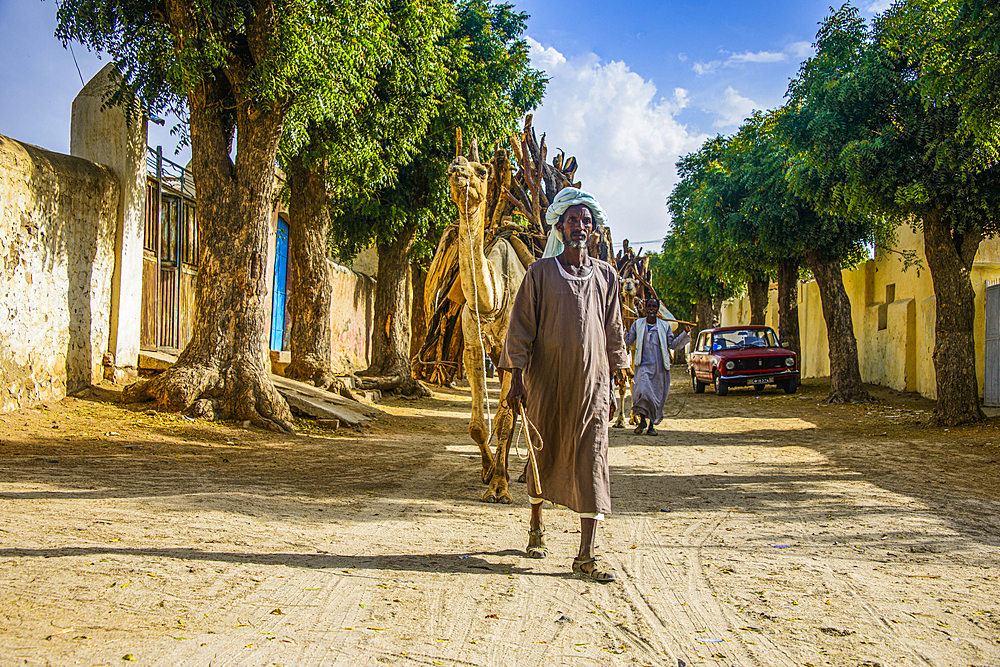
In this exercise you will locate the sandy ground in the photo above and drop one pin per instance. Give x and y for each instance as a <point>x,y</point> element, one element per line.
<point>755,529</point>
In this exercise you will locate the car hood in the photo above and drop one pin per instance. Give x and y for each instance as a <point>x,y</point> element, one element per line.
<point>755,352</point>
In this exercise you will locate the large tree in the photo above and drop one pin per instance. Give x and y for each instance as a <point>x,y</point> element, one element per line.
<point>693,257</point>
<point>335,153</point>
<point>491,86</point>
<point>235,68</point>
<point>869,143</point>
<point>793,232</point>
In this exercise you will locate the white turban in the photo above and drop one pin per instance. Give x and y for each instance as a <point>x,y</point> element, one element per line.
<point>567,198</point>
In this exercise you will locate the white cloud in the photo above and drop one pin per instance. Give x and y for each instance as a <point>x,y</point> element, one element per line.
<point>682,57</point>
<point>733,109</point>
<point>735,59</point>
<point>877,6</point>
<point>800,49</point>
<point>758,57</point>
<point>625,135</point>
<point>706,68</point>
<point>796,50</point>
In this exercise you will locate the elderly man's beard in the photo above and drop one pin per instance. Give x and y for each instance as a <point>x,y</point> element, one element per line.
<point>579,244</point>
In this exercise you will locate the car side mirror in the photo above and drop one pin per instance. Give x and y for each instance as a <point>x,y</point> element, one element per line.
<point>786,345</point>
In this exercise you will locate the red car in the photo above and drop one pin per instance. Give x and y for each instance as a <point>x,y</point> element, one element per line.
<point>740,356</point>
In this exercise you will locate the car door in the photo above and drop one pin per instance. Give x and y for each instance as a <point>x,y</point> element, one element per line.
<point>699,355</point>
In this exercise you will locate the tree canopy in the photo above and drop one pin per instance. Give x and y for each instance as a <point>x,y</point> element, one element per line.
<point>490,85</point>
<point>955,48</point>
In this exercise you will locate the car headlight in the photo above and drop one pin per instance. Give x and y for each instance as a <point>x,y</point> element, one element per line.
<point>789,361</point>
<point>730,365</point>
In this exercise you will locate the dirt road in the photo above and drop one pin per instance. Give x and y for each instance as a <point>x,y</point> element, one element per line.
<point>754,530</point>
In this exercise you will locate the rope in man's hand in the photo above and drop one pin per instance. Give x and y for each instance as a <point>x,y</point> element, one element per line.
<point>527,426</point>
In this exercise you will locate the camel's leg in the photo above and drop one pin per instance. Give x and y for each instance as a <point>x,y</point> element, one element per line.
<point>477,423</point>
<point>499,492</point>
<point>633,420</point>
<point>620,421</point>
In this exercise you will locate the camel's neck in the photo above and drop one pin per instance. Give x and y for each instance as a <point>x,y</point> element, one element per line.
<point>478,280</point>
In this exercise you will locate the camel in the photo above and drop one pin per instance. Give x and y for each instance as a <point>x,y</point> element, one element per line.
<point>623,378</point>
<point>489,283</point>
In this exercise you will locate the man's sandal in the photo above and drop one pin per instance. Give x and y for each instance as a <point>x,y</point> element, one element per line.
<point>536,544</point>
<point>639,429</point>
<point>591,570</point>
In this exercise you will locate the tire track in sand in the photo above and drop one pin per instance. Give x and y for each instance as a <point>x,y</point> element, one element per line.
<point>665,581</point>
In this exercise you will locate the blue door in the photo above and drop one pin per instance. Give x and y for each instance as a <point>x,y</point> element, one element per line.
<point>279,296</point>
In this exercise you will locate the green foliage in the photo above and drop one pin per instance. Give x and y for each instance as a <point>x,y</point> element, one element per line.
<point>954,46</point>
<point>693,262</point>
<point>672,284</point>
<point>362,144</point>
<point>490,85</point>
<point>867,143</point>
<point>720,201</point>
<point>771,218</point>
<point>299,56</point>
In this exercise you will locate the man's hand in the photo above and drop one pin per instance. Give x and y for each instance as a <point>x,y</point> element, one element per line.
<point>614,404</point>
<point>517,394</point>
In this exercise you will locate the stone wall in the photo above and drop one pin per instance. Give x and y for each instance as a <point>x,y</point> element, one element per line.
<point>351,313</point>
<point>104,135</point>
<point>57,258</point>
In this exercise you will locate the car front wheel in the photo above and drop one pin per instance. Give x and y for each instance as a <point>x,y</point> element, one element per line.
<point>696,384</point>
<point>721,388</point>
<point>791,385</point>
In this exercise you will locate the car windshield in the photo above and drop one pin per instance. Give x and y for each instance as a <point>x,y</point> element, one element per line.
<point>739,339</point>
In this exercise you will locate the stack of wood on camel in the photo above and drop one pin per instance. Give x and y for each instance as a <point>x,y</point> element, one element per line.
<point>478,267</point>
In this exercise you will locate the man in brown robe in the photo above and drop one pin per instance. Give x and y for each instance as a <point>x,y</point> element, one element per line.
<point>564,340</point>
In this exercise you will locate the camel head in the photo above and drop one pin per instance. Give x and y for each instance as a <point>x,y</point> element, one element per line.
<point>630,287</point>
<point>468,182</point>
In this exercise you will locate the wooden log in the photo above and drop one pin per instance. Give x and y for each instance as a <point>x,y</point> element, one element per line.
<point>522,251</point>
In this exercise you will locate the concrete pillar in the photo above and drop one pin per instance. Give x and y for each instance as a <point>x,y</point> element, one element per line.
<point>102,135</point>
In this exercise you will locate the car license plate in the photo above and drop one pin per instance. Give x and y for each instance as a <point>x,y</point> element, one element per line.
<point>761,380</point>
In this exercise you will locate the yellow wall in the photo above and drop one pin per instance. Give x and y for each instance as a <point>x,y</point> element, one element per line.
<point>893,314</point>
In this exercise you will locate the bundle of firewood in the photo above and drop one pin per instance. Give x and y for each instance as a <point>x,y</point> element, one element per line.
<point>636,279</point>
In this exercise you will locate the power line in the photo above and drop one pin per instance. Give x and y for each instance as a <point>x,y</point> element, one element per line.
<point>638,243</point>
<point>82,82</point>
<point>70,45</point>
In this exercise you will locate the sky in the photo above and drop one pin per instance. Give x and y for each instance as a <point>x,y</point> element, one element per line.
<point>633,85</point>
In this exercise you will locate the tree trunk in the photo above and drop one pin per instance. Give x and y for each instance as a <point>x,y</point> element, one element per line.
<point>223,367</point>
<point>391,325</point>
<point>758,291</point>
<point>949,257</point>
<point>845,373</point>
<point>418,318</point>
<point>705,315</point>
<point>788,304</point>
<point>311,292</point>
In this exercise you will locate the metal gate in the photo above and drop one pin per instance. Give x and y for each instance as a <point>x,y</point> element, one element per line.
<point>170,255</point>
<point>991,382</point>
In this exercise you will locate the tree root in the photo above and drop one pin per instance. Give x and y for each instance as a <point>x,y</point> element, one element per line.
<point>395,383</point>
<point>837,398</point>
<point>243,393</point>
<point>938,418</point>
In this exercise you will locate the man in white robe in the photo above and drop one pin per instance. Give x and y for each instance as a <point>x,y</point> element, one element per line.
<point>652,338</point>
